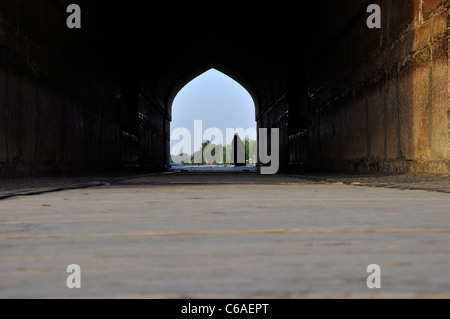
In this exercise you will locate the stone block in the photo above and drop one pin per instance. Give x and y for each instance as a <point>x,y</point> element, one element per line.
<point>421,104</point>
<point>376,121</point>
<point>422,36</point>
<point>440,101</point>
<point>27,116</point>
<point>440,26</point>
<point>392,125</point>
<point>429,6</point>
<point>356,133</point>
<point>3,110</point>
<point>402,13</point>
<point>405,112</point>
<point>401,48</point>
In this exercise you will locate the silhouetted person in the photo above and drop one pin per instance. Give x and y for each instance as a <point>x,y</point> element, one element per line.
<point>238,151</point>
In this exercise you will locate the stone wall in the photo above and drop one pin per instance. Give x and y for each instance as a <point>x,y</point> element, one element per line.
<point>59,110</point>
<point>379,98</point>
<point>67,102</point>
<point>345,97</point>
<point>153,127</point>
<point>275,115</point>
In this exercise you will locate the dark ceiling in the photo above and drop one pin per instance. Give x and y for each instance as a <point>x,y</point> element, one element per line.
<point>165,44</point>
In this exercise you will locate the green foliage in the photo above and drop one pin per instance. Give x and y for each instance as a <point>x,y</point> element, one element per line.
<point>188,160</point>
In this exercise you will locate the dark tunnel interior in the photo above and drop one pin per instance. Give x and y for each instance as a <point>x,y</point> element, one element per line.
<point>344,96</point>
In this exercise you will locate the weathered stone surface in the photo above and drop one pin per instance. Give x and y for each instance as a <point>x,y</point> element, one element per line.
<point>406,89</point>
<point>182,236</point>
<point>429,6</point>
<point>392,117</point>
<point>440,141</point>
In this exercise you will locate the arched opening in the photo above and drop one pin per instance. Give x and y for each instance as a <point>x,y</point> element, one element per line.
<point>207,113</point>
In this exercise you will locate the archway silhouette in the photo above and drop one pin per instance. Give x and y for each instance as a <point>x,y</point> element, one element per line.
<point>216,65</point>
<point>220,107</point>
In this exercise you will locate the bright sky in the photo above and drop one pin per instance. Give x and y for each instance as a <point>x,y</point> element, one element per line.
<point>218,101</point>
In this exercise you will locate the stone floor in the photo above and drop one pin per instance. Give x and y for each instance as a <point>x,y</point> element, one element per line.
<point>211,235</point>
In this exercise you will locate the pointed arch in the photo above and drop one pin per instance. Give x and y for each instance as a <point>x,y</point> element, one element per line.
<point>204,67</point>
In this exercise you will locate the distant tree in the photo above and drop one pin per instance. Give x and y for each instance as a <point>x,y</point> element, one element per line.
<point>247,149</point>
<point>210,148</point>
<point>185,159</point>
<point>224,154</point>
<point>180,159</point>
<point>204,144</point>
<point>252,150</point>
